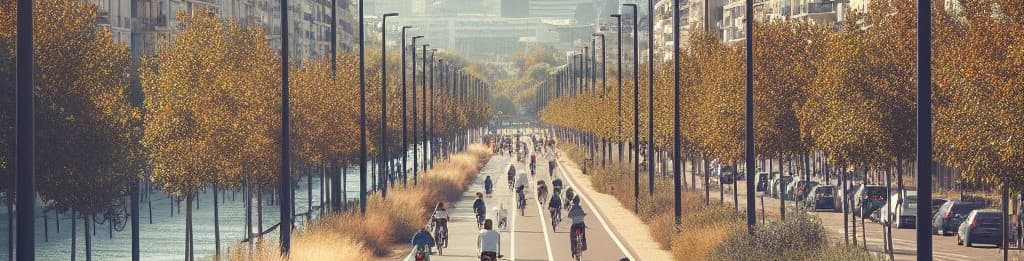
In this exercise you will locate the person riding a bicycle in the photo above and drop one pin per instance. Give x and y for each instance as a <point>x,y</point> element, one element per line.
<point>511,174</point>
<point>576,215</point>
<point>440,218</point>
<point>542,191</point>
<point>521,198</point>
<point>422,242</point>
<point>501,214</point>
<point>479,208</point>
<point>555,207</point>
<point>488,186</point>
<point>570,194</point>
<point>488,242</point>
<point>551,166</point>
<point>556,185</point>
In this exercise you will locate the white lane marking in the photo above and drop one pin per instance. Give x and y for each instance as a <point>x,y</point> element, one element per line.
<point>543,227</point>
<point>586,199</point>
<point>512,255</point>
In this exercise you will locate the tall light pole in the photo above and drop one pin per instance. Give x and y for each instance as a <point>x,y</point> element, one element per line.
<point>924,124</point>
<point>605,148</point>
<point>618,79</point>
<point>383,156</point>
<point>426,141</point>
<point>650,98</point>
<point>362,112</point>
<point>405,113</point>
<point>636,112</point>
<point>284,180</point>
<point>677,154</point>
<point>25,132</point>
<point>336,197</point>
<point>430,129</point>
<point>749,19</point>
<point>415,136</point>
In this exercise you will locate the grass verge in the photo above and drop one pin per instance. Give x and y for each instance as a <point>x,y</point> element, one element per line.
<point>349,236</point>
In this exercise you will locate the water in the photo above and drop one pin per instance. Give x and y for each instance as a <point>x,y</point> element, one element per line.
<point>164,239</point>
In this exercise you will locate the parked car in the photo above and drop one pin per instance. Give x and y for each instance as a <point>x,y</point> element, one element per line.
<point>981,226</point>
<point>822,197</point>
<point>803,188</point>
<point>726,174</point>
<point>791,187</point>
<point>937,203</point>
<point>762,182</point>
<point>904,210</point>
<point>951,214</point>
<point>779,183</point>
<point>868,198</point>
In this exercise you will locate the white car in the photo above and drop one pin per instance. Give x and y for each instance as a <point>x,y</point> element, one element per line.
<point>904,211</point>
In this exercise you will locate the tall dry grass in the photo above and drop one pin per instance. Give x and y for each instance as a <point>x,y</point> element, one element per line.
<point>710,232</point>
<point>349,236</point>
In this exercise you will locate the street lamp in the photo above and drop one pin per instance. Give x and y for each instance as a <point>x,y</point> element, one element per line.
<point>676,140</point>
<point>415,137</point>
<point>336,197</point>
<point>284,177</point>
<point>362,111</point>
<point>636,113</point>
<point>430,131</point>
<point>405,133</point>
<point>751,216</point>
<point>383,156</point>
<point>650,98</point>
<point>424,81</point>
<point>605,148</point>
<point>618,79</point>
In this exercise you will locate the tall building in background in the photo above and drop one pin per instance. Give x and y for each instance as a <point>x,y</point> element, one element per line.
<point>156,22</point>
<point>555,8</point>
<point>515,8</point>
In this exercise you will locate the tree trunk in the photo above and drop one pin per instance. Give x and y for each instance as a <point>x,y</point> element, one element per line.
<point>216,223</point>
<point>735,186</point>
<point>149,201</point>
<point>846,207</point>
<point>309,195</point>
<point>259,211</point>
<point>782,188</point>
<point>74,236</point>
<point>864,230</point>
<point>56,216</point>
<point>46,226</point>
<point>88,239</point>
<point>707,179</point>
<point>889,216</point>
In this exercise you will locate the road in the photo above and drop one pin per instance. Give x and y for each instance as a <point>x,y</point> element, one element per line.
<point>529,235</point>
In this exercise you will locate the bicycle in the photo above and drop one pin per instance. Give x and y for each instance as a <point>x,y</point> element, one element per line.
<point>577,238</point>
<point>521,205</point>
<point>440,236</point>
<point>479,220</point>
<point>556,217</point>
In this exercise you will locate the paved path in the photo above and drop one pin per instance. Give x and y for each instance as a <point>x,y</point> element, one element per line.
<point>529,235</point>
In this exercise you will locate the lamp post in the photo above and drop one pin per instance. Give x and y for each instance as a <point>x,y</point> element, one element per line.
<point>749,155</point>
<point>424,81</point>
<point>650,98</point>
<point>430,130</point>
<point>336,197</point>
<point>618,79</point>
<point>25,132</point>
<point>924,126</point>
<point>383,156</point>
<point>415,137</point>
<point>636,113</point>
<point>605,148</point>
<point>284,178</point>
<point>676,141</point>
<point>405,114</point>
<point>362,111</point>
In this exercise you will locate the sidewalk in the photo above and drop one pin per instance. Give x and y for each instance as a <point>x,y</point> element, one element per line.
<point>635,234</point>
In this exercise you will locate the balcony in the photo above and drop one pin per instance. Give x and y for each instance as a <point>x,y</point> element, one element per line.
<point>813,9</point>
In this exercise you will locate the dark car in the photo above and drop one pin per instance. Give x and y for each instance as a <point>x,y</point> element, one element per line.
<point>727,174</point>
<point>950,215</point>
<point>822,197</point>
<point>868,199</point>
<point>981,226</point>
<point>762,182</point>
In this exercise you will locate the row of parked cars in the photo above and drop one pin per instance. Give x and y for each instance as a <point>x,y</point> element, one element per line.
<point>971,221</point>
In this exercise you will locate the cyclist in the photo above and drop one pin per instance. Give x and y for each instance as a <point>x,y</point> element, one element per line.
<point>576,215</point>
<point>522,180</point>
<point>542,191</point>
<point>501,214</point>
<point>533,160</point>
<point>521,199</point>
<point>422,242</point>
<point>440,219</point>
<point>488,186</point>
<point>556,185</point>
<point>511,173</point>
<point>569,196</point>
<point>488,242</point>
<point>551,166</point>
<point>555,207</point>
<point>479,208</point>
